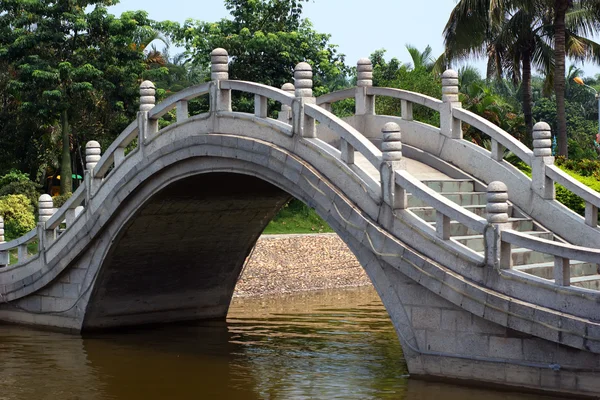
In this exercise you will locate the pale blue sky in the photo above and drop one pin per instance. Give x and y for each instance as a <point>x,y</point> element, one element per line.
<point>358,27</point>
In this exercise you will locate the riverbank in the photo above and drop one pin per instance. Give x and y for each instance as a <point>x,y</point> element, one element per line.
<point>296,263</point>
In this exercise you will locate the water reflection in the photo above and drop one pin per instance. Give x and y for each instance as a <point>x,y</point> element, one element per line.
<point>336,344</point>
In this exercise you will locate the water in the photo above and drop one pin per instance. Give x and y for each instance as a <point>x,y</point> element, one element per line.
<point>333,345</point>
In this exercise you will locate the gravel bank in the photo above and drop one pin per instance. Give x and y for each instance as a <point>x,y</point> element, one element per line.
<point>295,263</point>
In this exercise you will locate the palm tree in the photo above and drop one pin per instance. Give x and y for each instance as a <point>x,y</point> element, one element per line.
<point>421,59</point>
<point>571,18</point>
<point>515,36</point>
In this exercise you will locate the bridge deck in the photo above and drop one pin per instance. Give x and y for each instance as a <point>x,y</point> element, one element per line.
<point>416,168</point>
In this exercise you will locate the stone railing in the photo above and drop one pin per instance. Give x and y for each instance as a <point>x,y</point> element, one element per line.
<point>300,112</point>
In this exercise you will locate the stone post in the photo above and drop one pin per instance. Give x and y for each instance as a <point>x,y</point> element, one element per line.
<point>365,104</point>
<point>93,153</point>
<point>45,212</point>
<point>450,126</point>
<point>219,71</point>
<point>4,257</point>
<point>542,156</point>
<point>498,253</point>
<point>285,115</point>
<point>393,195</point>
<point>303,125</point>
<point>146,126</point>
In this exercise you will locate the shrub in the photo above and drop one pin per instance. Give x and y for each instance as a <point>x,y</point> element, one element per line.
<point>24,187</point>
<point>17,211</point>
<point>61,199</point>
<point>14,175</point>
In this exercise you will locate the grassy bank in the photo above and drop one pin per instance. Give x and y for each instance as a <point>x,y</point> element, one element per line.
<point>296,217</point>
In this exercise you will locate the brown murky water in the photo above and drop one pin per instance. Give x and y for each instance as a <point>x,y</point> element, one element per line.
<point>338,344</point>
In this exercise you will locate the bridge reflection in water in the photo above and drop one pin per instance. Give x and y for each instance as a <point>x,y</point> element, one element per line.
<point>333,344</point>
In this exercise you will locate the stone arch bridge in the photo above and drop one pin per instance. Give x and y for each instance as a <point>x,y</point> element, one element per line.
<point>481,283</point>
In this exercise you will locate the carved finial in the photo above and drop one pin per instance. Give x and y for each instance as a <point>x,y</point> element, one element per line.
<point>147,99</point>
<point>450,86</point>
<point>291,89</point>
<point>303,80</point>
<point>392,142</point>
<point>1,229</point>
<point>497,206</point>
<point>93,153</point>
<point>219,65</point>
<point>364,72</point>
<point>542,140</point>
<point>45,207</point>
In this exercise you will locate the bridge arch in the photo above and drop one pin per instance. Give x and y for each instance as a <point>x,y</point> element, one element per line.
<point>125,294</point>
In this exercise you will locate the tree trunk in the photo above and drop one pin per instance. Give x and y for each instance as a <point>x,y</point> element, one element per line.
<point>66,183</point>
<point>527,95</point>
<point>560,9</point>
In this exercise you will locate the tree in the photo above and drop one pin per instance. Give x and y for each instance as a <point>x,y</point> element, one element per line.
<point>585,20</point>
<point>74,66</point>
<point>516,36</point>
<point>265,40</point>
<point>422,59</point>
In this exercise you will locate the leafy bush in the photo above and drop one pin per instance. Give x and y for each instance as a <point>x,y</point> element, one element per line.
<point>61,199</point>
<point>14,175</point>
<point>25,187</point>
<point>17,211</point>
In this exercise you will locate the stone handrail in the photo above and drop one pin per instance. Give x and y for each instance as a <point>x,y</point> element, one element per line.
<point>117,147</point>
<point>347,133</point>
<point>259,89</point>
<point>23,240</point>
<point>338,95</point>
<point>591,197</point>
<point>440,203</point>
<point>184,95</point>
<point>562,252</point>
<point>63,212</point>
<point>412,97</point>
<point>496,133</point>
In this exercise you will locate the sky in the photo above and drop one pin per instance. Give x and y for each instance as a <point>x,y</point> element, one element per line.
<point>358,27</point>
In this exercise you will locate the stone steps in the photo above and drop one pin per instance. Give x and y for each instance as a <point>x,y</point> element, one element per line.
<point>587,282</point>
<point>429,213</point>
<point>460,198</point>
<point>476,242</point>
<point>450,185</point>
<point>546,269</point>
<point>457,229</point>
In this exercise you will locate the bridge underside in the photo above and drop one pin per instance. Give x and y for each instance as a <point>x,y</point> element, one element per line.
<point>180,256</point>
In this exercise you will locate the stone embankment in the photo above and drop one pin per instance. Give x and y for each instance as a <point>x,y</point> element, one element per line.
<point>295,263</point>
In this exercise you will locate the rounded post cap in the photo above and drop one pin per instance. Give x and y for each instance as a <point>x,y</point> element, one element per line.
<point>391,127</point>
<point>45,198</point>
<point>364,61</point>
<point>497,186</point>
<point>303,66</point>
<point>147,85</point>
<point>92,144</point>
<point>288,87</point>
<point>219,51</point>
<point>450,74</point>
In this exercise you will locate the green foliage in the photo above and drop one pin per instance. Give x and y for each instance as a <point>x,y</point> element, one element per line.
<point>296,217</point>
<point>14,175</point>
<point>265,40</point>
<point>27,188</point>
<point>61,199</point>
<point>581,132</point>
<point>397,75</point>
<point>17,211</point>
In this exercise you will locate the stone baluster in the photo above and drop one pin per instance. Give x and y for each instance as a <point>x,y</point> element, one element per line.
<point>45,212</point>
<point>450,126</point>
<point>365,104</point>
<point>303,125</point>
<point>93,153</point>
<point>498,253</point>
<point>542,156</point>
<point>393,195</point>
<point>285,115</point>
<point>219,71</point>
<point>4,256</point>
<point>147,127</point>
